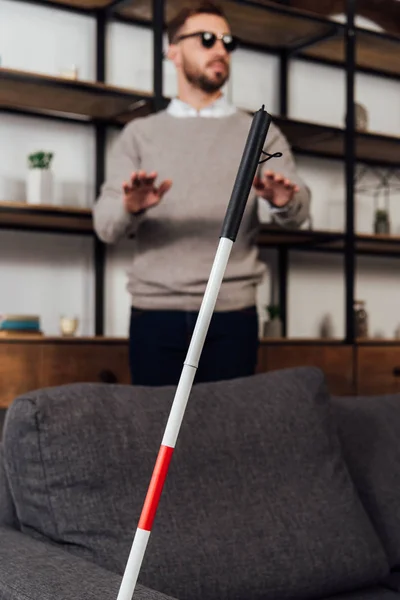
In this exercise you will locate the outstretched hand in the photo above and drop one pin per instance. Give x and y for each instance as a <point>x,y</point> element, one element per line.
<point>140,192</point>
<point>275,188</point>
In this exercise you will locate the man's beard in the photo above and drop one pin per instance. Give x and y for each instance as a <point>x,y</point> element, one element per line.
<point>204,83</point>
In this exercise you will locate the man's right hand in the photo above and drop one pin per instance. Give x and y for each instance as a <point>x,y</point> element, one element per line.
<point>141,193</point>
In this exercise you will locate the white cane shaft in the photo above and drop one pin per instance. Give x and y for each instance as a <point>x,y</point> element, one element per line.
<point>175,419</point>
<point>209,300</point>
<point>133,565</point>
<point>197,342</point>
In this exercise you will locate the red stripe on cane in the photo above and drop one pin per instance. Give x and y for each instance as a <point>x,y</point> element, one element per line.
<point>155,487</point>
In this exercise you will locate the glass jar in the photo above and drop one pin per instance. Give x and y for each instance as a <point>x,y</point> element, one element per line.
<point>361,319</point>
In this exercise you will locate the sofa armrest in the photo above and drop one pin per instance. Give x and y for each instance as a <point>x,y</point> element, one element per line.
<point>34,570</point>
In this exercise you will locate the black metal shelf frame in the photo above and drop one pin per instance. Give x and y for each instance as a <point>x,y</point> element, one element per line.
<point>349,33</point>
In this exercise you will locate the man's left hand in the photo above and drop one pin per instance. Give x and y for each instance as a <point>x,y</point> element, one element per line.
<point>275,188</point>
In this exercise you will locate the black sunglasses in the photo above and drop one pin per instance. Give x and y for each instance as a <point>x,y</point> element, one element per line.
<point>208,39</point>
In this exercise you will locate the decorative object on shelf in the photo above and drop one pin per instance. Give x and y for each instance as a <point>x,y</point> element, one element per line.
<point>70,73</point>
<point>326,328</point>
<point>361,117</point>
<point>360,319</point>
<point>382,222</point>
<point>39,189</point>
<point>68,326</point>
<point>378,181</point>
<point>19,325</point>
<point>273,327</point>
<point>397,332</point>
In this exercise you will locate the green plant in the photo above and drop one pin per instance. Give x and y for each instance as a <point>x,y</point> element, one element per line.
<point>273,311</point>
<point>381,215</point>
<point>40,160</point>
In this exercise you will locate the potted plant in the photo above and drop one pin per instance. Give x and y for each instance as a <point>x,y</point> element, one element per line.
<point>273,327</point>
<point>39,189</point>
<point>382,223</point>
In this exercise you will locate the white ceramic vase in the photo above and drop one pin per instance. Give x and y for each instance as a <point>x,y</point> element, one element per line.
<point>39,186</point>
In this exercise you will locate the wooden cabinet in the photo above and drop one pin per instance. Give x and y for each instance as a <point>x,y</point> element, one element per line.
<point>26,365</point>
<point>335,360</point>
<point>378,369</point>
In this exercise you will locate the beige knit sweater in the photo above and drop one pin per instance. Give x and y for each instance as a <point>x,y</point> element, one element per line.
<point>175,242</point>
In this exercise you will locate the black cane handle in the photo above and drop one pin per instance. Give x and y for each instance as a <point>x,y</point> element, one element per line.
<point>246,173</point>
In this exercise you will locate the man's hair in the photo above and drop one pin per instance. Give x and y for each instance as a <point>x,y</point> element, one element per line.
<point>202,8</point>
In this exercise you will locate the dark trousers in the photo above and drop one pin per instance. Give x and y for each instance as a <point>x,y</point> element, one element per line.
<point>159,341</point>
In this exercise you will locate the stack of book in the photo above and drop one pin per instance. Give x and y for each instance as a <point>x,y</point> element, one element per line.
<point>19,325</point>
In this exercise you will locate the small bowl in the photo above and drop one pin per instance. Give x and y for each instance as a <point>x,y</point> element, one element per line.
<point>68,326</point>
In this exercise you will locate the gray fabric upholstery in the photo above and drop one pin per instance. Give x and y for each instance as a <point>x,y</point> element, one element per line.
<point>393,581</point>
<point>7,512</point>
<point>31,570</point>
<point>369,429</point>
<point>258,501</point>
<point>375,593</point>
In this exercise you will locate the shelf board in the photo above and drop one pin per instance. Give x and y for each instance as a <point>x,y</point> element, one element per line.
<point>329,142</point>
<point>45,339</point>
<point>274,236</point>
<point>376,52</point>
<point>377,342</point>
<point>378,244</point>
<point>82,4</point>
<point>76,99</point>
<point>19,215</point>
<point>287,341</point>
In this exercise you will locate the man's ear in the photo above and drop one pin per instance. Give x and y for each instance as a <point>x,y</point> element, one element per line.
<point>173,53</point>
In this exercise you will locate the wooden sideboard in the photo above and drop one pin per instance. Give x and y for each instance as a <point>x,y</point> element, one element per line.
<point>367,368</point>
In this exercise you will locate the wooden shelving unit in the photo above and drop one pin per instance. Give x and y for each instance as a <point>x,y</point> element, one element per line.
<point>261,25</point>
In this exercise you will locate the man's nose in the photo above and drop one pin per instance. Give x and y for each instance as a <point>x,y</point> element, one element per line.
<point>221,48</point>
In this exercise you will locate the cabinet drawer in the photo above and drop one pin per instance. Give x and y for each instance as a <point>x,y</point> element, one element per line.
<point>337,362</point>
<point>84,362</point>
<point>19,370</point>
<point>30,365</point>
<point>378,370</point>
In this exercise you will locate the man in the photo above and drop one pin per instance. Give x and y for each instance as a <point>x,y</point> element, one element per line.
<point>171,177</point>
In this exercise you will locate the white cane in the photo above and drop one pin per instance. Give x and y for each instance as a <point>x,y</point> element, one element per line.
<point>247,170</point>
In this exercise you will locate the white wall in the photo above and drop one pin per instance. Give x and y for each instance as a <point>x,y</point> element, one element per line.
<point>56,270</point>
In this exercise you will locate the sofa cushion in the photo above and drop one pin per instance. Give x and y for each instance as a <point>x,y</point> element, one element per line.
<point>369,429</point>
<point>7,511</point>
<point>258,502</point>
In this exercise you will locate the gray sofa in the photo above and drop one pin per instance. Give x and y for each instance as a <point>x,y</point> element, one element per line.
<point>276,491</point>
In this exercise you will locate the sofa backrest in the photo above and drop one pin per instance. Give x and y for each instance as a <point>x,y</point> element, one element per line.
<point>369,429</point>
<point>258,502</point>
